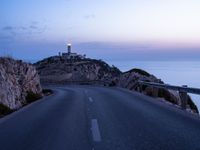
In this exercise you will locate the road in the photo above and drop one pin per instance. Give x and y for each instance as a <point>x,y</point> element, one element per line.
<point>99,118</point>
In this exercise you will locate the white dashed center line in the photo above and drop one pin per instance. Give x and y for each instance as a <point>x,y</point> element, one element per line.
<point>95,131</point>
<point>90,99</point>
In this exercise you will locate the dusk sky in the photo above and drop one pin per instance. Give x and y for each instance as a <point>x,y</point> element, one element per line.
<point>104,29</point>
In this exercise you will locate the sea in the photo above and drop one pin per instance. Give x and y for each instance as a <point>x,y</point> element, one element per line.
<point>171,72</point>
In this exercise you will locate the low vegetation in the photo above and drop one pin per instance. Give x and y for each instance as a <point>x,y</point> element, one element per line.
<point>47,92</point>
<point>4,110</point>
<point>31,97</point>
<point>140,71</point>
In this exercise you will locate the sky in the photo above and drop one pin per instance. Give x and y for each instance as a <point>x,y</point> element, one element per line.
<point>102,29</point>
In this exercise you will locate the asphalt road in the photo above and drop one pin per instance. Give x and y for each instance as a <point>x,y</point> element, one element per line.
<point>99,118</point>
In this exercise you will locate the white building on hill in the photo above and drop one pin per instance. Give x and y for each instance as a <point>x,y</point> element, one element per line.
<point>70,55</point>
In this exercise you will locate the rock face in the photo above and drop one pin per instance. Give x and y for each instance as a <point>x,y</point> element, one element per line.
<point>130,80</point>
<point>16,80</point>
<point>59,70</point>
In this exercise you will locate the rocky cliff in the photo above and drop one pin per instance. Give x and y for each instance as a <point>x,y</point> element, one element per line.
<point>60,70</point>
<point>17,81</point>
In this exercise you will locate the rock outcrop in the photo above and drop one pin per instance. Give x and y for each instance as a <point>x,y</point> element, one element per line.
<point>59,70</point>
<point>130,80</point>
<point>17,79</point>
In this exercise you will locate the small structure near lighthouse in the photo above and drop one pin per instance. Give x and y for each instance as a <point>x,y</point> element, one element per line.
<point>70,55</point>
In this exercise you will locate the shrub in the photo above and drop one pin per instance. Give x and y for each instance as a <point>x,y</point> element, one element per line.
<point>47,92</point>
<point>140,71</point>
<point>4,110</point>
<point>31,97</point>
<point>112,84</point>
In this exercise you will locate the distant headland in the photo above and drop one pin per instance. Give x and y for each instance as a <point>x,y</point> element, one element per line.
<point>73,68</point>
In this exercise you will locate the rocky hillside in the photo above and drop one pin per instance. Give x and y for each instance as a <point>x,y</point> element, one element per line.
<point>59,70</point>
<point>81,71</point>
<point>18,81</point>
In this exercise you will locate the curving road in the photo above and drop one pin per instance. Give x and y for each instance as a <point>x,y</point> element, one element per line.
<point>99,118</point>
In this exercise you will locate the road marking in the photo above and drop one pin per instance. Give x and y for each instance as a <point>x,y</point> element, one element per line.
<point>95,131</point>
<point>90,99</point>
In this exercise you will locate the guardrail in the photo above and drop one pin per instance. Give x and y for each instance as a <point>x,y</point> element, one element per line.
<point>183,90</point>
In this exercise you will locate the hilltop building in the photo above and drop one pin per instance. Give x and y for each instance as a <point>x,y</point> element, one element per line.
<point>70,55</point>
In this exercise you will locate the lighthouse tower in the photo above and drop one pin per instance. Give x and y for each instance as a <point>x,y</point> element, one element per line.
<point>69,48</point>
<point>70,55</point>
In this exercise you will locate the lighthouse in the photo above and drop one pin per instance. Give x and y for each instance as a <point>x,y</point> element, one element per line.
<point>70,55</point>
<point>69,47</point>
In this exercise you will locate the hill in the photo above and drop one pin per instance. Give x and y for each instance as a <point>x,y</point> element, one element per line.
<point>59,70</point>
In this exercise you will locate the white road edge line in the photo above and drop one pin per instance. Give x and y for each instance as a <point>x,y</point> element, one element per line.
<point>95,131</point>
<point>90,99</point>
